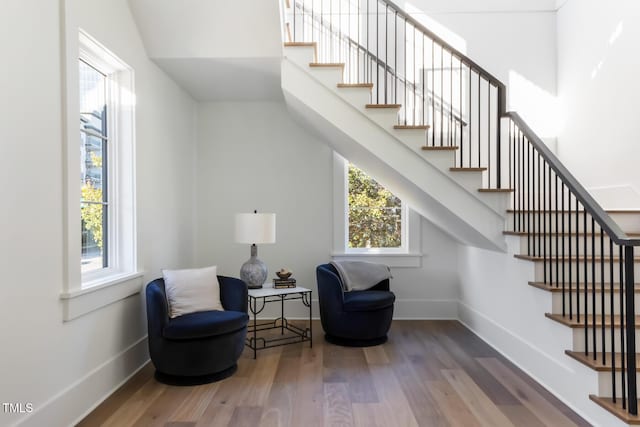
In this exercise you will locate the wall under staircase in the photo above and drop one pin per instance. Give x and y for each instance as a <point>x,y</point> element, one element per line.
<point>366,136</point>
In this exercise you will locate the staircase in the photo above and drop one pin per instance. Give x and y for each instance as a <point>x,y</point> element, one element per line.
<point>431,124</point>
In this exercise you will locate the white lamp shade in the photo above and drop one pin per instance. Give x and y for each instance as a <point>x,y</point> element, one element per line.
<point>258,228</point>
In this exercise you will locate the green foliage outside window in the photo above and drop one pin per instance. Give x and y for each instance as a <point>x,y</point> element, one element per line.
<point>91,213</point>
<point>375,214</point>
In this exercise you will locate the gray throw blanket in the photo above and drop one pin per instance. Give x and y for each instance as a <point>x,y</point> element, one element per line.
<point>360,275</point>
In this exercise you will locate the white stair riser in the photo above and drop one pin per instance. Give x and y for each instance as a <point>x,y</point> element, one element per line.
<point>469,180</point>
<point>356,96</point>
<point>578,267</point>
<point>499,201</point>
<point>605,385</point>
<point>440,159</point>
<point>385,117</point>
<point>301,55</point>
<point>579,341</point>
<point>577,301</point>
<point>411,137</point>
<point>629,223</point>
<point>329,76</point>
<point>541,244</point>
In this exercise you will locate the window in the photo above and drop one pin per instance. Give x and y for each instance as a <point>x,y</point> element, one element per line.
<point>94,174</point>
<point>375,214</point>
<point>370,222</point>
<point>107,208</point>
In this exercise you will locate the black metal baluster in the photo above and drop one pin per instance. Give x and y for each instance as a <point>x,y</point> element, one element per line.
<point>630,329</point>
<point>529,198</point>
<point>414,73</point>
<point>424,83</point>
<point>433,93</point>
<point>604,353</point>
<point>578,265</point>
<point>479,126</point>
<point>450,98</point>
<point>612,316</point>
<point>563,239</point>
<point>460,121</point>
<point>569,261</point>
<point>557,230</point>
<point>545,236</point>
<point>586,281</point>
<point>489,133</point>
<point>441,96</point>
<point>593,283</point>
<point>540,236</point>
<point>386,50</point>
<point>511,184</point>
<point>622,329</point>
<point>395,53</point>
<point>470,115</point>
<point>406,77</point>
<point>377,52</point>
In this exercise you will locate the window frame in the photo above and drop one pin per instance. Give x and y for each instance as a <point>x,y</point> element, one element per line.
<point>85,292</point>
<point>407,255</point>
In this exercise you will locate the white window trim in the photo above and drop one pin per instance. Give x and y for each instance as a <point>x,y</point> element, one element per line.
<point>82,294</point>
<point>408,255</point>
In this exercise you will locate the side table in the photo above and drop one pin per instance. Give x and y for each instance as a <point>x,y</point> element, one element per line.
<point>258,299</point>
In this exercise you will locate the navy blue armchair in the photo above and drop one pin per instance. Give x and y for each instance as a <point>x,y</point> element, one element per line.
<point>200,347</point>
<point>356,318</point>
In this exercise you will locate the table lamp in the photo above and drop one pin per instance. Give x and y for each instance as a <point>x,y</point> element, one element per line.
<point>255,228</point>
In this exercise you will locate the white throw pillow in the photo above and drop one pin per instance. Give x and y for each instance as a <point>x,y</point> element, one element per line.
<point>191,290</point>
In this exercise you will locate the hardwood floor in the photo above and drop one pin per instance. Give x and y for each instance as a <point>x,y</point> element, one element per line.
<point>429,373</point>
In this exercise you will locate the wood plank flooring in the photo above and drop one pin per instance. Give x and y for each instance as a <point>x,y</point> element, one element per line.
<point>429,373</point>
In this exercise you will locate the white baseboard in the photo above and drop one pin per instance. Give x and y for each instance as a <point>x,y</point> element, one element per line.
<point>72,404</point>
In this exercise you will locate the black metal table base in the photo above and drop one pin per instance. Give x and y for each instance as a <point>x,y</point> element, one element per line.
<point>294,334</point>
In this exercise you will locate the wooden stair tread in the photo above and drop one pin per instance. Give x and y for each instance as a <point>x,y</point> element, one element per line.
<point>326,64</point>
<point>367,85</point>
<point>581,258</point>
<point>616,409</point>
<point>553,233</point>
<point>573,323</point>
<point>383,105</point>
<point>293,44</point>
<point>467,169</point>
<point>422,127</point>
<point>439,148</point>
<point>597,364</point>
<point>553,288</point>
<point>614,211</point>
<point>495,190</point>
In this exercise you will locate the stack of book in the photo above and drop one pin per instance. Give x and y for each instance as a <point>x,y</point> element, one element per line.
<point>284,283</point>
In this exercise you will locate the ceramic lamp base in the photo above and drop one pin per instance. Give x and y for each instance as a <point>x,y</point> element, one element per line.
<point>253,272</point>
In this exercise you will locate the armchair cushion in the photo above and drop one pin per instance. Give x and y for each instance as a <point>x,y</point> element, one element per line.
<point>367,300</point>
<point>204,324</point>
<point>192,290</point>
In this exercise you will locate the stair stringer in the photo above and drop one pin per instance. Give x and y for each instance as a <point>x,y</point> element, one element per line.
<point>509,315</point>
<point>429,191</point>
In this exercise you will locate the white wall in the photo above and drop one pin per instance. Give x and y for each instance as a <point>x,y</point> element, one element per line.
<point>252,155</point>
<point>63,368</point>
<point>598,88</point>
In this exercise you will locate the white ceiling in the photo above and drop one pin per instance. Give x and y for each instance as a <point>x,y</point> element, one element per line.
<point>226,79</point>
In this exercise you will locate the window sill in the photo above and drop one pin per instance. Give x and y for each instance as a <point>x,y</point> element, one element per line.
<point>413,259</point>
<point>79,302</point>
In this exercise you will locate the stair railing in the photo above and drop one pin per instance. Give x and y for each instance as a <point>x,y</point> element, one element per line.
<point>583,252</point>
<point>565,227</point>
<point>436,84</point>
